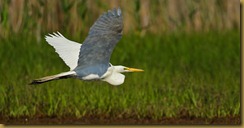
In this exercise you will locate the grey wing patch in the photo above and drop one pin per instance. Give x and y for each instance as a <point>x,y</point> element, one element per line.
<point>108,23</point>
<point>101,40</point>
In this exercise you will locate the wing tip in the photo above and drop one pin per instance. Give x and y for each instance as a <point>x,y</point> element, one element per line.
<point>119,12</point>
<point>115,12</point>
<point>54,34</point>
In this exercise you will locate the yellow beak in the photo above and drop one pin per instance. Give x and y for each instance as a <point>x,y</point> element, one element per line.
<point>134,70</point>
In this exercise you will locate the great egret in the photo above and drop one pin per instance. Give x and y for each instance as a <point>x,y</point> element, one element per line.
<point>90,61</point>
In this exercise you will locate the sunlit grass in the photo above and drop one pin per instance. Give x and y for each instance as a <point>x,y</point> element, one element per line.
<point>185,74</point>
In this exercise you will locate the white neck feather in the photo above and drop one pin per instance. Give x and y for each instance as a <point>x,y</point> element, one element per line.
<point>113,76</point>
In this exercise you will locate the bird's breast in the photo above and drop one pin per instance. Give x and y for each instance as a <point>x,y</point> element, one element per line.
<point>91,72</point>
<point>91,77</point>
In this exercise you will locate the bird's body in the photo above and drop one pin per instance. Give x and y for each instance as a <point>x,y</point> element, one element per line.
<point>90,60</point>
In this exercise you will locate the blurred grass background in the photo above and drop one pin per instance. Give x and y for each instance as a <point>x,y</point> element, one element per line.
<point>189,49</point>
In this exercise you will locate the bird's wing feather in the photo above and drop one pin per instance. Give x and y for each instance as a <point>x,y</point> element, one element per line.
<point>101,40</point>
<point>67,50</point>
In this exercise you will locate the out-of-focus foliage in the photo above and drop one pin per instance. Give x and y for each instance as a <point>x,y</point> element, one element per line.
<point>37,17</point>
<point>193,75</point>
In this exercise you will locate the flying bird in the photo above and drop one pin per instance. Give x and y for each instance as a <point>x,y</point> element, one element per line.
<point>91,59</point>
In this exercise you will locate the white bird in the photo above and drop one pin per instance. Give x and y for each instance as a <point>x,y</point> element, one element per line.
<point>90,60</point>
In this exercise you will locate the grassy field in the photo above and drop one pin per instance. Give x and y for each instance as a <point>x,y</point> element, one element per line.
<point>194,74</point>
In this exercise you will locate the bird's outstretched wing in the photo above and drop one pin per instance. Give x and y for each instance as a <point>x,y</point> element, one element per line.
<point>67,50</point>
<point>101,40</point>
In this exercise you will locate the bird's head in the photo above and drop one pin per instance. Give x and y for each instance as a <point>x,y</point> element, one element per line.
<point>122,69</point>
<point>116,78</point>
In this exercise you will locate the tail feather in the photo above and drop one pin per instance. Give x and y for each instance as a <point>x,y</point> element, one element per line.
<point>63,75</point>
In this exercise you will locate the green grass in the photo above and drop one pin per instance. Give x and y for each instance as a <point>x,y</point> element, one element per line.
<point>194,74</point>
